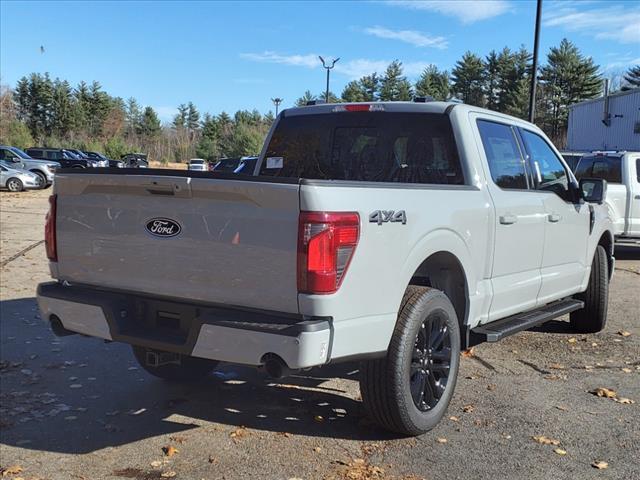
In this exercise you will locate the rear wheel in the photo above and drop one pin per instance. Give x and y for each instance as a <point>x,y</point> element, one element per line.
<point>593,317</point>
<point>15,185</point>
<point>409,390</point>
<point>173,367</point>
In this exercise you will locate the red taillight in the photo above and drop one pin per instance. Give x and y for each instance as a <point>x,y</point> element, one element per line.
<point>326,243</point>
<point>50,230</point>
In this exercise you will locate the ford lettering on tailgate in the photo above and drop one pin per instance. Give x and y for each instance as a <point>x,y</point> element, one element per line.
<point>163,227</point>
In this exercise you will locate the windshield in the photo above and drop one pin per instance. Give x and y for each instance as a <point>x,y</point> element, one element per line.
<point>227,165</point>
<point>196,162</point>
<point>365,146</point>
<point>20,153</point>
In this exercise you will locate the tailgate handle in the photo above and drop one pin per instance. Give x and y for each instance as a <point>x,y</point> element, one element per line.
<point>160,190</point>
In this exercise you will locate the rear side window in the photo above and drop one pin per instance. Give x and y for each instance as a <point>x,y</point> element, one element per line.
<point>606,167</point>
<point>32,152</point>
<point>365,146</point>
<point>638,169</point>
<point>503,154</point>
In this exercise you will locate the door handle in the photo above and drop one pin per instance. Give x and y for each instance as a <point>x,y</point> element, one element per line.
<point>554,217</point>
<point>508,219</point>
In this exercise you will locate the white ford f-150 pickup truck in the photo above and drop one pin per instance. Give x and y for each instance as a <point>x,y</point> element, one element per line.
<point>396,234</point>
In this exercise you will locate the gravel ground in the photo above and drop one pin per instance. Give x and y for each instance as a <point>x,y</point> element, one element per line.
<point>77,408</point>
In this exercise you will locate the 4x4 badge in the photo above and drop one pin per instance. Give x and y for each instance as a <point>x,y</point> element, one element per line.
<point>384,216</point>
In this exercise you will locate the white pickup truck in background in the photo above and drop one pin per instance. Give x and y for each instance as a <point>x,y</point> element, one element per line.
<point>396,234</point>
<point>621,170</point>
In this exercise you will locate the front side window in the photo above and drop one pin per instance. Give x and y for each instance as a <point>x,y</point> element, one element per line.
<point>549,170</point>
<point>368,146</point>
<point>8,155</point>
<point>607,167</point>
<point>506,164</point>
<point>638,169</point>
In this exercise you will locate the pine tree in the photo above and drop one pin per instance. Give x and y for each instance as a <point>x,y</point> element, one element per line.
<point>433,83</point>
<point>306,97</point>
<point>150,125</point>
<point>353,92</point>
<point>569,77</point>
<point>181,118</point>
<point>514,91</point>
<point>633,76</point>
<point>394,86</point>
<point>98,108</point>
<point>493,78</point>
<point>370,85</point>
<point>468,79</point>
<point>193,117</point>
<point>62,109</point>
<point>207,146</point>
<point>133,117</point>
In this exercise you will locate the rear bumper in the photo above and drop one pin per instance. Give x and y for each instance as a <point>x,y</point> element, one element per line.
<point>200,330</point>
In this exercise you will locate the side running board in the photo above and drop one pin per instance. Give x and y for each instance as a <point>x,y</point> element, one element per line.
<point>494,331</point>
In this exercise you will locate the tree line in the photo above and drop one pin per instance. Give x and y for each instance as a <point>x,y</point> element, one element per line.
<point>51,112</point>
<point>499,81</point>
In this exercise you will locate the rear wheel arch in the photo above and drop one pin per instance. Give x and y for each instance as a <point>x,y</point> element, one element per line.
<point>607,242</point>
<point>444,271</point>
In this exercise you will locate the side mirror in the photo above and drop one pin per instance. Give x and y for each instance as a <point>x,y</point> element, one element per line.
<point>593,190</point>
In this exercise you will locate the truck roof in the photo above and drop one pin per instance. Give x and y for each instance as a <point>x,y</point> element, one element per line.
<point>425,107</point>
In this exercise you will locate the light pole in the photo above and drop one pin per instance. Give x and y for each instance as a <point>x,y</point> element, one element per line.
<point>277,101</point>
<point>534,67</point>
<point>328,68</point>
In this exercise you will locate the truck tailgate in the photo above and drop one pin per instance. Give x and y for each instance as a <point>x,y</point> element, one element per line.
<point>236,244</point>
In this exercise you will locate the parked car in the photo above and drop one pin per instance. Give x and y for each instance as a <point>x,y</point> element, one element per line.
<point>45,169</point>
<point>16,179</point>
<point>197,164</point>
<point>100,162</point>
<point>621,170</point>
<point>226,165</point>
<point>66,158</point>
<point>572,158</point>
<point>100,157</point>
<point>247,166</point>
<point>408,232</point>
<point>135,160</point>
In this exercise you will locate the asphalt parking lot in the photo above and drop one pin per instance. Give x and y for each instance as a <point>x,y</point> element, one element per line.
<point>77,408</point>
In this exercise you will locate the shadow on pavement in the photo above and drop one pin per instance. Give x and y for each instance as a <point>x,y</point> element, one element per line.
<point>77,395</point>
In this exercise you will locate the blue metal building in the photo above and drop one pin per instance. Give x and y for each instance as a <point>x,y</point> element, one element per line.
<point>606,123</point>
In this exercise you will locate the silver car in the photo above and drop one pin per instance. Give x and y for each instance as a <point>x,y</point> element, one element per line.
<point>16,180</point>
<point>18,159</point>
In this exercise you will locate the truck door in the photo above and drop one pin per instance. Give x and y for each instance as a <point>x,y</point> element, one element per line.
<point>566,221</point>
<point>633,168</point>
<point>519,228</point>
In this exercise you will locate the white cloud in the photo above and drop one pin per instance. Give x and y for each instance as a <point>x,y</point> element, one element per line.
<point>412,37</point>
<point>353,69</point>
<point>617,22</point>
<point>467,11</point>
<point>309,61</point>
<point>623,62</point>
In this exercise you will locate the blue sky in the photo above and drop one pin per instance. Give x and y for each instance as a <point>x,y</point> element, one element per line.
<point>230,56</point>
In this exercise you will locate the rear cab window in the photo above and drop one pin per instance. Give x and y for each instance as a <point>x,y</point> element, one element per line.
<point>365,146</point>
<point>607,167</point>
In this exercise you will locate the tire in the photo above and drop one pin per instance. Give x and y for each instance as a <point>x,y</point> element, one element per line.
<point>14,185</point>
<point>190,369</point>
<point>593,317</point>
<point>391,387</point>
<point>42,182</point>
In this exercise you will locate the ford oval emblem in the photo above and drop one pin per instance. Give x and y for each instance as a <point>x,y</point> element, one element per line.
<point>163,227</point>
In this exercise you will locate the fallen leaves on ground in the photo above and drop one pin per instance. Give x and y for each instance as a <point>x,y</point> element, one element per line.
<point>468,408</point>
<point>541,439</point>
<point>468,352</point>
<point>239,433</point>
<point>12,470</point>
<point>560,451</point>
<point>360,469</point>
<point>600,465</point>
<point>624,333</point>
<point>441,440</point>
<point>454,418</point>
<point>170,450</point>
<point>178,438</point>
<point>612,394</point>
<point>604,392</point>
<point>572,340</point>
<point>169,474</point>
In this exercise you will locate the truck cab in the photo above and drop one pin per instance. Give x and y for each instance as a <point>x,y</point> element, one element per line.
<point>621,170</point>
